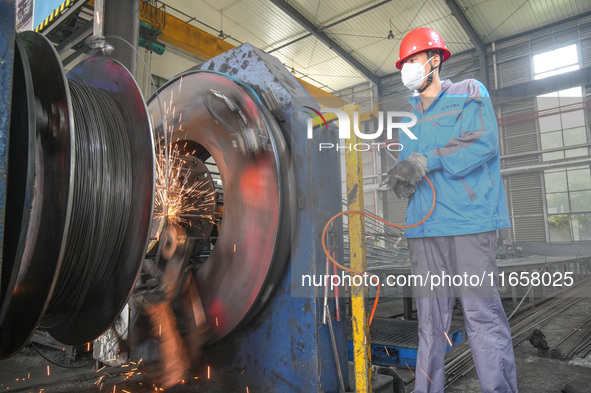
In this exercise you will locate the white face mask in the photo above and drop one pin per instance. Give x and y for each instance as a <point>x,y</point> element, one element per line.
<point>413,74</point>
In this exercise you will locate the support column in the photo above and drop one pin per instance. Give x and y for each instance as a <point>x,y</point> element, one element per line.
<point>361,355</point>
<point>483,69</point>
<point>122,19</point>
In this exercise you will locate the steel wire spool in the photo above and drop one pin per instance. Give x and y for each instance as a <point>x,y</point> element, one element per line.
<point>113,202</point>
<point>82,194</point>
<point>101,204</point>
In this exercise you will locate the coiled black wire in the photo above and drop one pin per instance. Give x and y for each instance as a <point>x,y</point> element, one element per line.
<point>101,203</point>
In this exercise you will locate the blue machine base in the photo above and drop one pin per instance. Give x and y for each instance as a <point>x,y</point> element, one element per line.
<point>394,342</point>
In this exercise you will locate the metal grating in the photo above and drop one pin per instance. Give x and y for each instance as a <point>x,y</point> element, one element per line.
<point>394,332</point>
<point>394,342</point>
<point>527,207</point>
<point>586,52</point>
<point>514,71</point>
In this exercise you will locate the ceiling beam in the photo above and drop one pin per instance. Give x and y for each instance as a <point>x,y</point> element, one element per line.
<point>458,13</point>
<point>182,35</point>
<point>545,27</point>
<point>328,26</point>
<point>322,36</point>
<point>480,46</point>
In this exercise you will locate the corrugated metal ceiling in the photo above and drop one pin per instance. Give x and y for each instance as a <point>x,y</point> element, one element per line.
<point>264,25</point>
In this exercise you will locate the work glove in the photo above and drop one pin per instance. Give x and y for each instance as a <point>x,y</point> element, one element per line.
<point>411,170</point>
<point>403,189</point>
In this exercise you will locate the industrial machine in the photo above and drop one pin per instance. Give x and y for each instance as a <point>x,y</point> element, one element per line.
<point>198,206</point>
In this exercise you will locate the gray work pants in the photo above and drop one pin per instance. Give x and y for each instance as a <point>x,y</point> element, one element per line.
<point>488,331</point>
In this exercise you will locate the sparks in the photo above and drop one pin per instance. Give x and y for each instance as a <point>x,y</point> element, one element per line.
<point>48,370</point>
<point>448,340</point>
<point>427,376</point>
<point>98,382</point>
<point>208,372</point>
<point>88,347</point>
<point>409,369</point>
<point>387,350</point>
<point>176,196</point>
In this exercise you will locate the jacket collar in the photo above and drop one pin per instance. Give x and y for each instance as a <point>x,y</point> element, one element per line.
<point>415,101</point>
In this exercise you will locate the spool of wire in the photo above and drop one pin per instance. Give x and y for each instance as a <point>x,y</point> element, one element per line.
<point>101,204</point>
<point>112,202</point>
<point>82,196</point>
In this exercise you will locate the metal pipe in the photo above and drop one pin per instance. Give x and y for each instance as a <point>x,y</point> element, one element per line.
<point>494,61</point>
<point>99,15</point>
<point>363,11</point>
<point>544,166</point>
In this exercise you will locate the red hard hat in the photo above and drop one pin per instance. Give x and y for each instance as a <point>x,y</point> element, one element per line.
<point>419,40</point>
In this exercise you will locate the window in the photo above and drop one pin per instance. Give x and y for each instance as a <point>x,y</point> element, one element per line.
<point>561,120</point>
<point>568,198</point>
<point>557,61</point>
<point>562,123</point>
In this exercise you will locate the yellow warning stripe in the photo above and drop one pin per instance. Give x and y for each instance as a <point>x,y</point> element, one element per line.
<point>54,15</point>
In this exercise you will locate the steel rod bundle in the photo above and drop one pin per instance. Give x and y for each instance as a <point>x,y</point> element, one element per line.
<point>460,361</point>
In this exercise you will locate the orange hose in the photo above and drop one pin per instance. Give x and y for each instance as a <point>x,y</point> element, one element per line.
<point>373,311</point>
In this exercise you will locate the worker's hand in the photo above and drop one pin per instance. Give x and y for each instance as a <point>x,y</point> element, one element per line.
<point>403,189</point>
<point>410,170</point>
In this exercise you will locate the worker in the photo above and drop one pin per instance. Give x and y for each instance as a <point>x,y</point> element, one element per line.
<point>457,147</point>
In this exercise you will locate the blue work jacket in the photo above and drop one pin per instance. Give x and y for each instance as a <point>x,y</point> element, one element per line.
<point>459,136</point>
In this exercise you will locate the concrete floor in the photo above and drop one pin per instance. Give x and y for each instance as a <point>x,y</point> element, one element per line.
<point>27,371</point>
<point>536,374</point>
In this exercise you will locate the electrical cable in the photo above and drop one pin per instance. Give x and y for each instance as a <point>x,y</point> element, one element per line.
<point>101,203</point>
<point>373,216</point>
